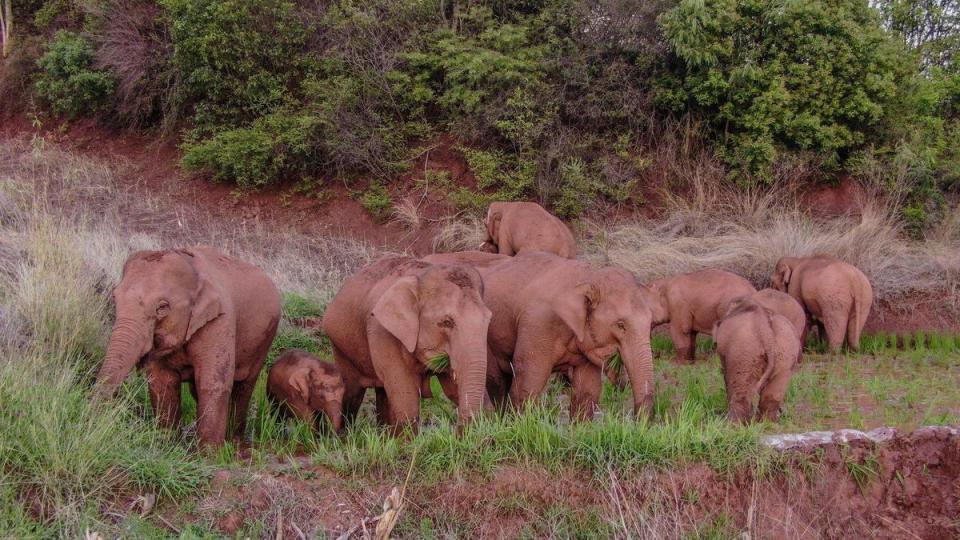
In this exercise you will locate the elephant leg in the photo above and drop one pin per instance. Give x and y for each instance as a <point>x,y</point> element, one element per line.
<point>213,358</point>
<point>449,387</point>
<point>352,399</point>
<point>164,385</point>
<point>771,395</point>
<point>498,380</point>
<point>739,396</point>
<point>353,391</point>
<point>383,407</point>
<point>821,331</point>
<point>836,327</point>
<point>683,343</point>
<point>853,333</point>
<point>242,391</point>
<point>585,393</point>
<point>531,370</point>
<point>403,399</point>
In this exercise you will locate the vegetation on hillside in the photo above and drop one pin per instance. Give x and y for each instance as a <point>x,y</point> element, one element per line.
<point>563,101</point>
<point>69,464</point>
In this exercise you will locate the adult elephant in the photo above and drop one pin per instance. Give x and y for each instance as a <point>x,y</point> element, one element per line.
<point>693,302</point>
<point>834,293</point>
<point>515,227</point>
<point>552,314</point>
<point>393,320</point>
<point>194,315</point>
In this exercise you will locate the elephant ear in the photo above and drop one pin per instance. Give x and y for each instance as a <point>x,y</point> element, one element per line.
<point>574,307</point>
<point>785,272</point>
<point>398,310</point>
<point>494,216</point>
<point>300,381</point>
<point>207,304</point>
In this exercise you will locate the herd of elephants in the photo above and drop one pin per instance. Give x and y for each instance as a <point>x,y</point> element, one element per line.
<point>491,324</point>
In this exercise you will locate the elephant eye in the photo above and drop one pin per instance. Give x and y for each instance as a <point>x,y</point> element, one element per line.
<point>163,308</point>
<point>446,322</point>
<point>621,325</point>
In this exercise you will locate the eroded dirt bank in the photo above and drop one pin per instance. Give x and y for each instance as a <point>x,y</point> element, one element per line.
<point>899,486</point>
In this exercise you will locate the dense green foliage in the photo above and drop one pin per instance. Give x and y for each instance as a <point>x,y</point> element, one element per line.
<point>776,75</point>
<point>574,103</point>
<point>67,82</point>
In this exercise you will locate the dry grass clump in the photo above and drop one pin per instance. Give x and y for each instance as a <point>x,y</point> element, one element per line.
<point>460,233</point>
<point>407,213</point>
<point>747,231</point>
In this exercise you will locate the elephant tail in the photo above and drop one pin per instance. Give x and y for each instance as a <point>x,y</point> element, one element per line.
<point>859,311</point>
<point>771,350</point>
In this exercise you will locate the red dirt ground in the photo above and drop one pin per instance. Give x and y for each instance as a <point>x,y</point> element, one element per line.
<point>911,489</point>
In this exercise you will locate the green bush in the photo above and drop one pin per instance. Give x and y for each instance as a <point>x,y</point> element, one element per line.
<point>377,201</point>
<point>237,59</point>
<point>67,82</point>
<point>470,75</point>
<point>272,147</point>
<point>772,75</point>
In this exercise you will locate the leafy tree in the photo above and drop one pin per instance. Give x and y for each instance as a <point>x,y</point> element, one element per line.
<point>237,59</point>
<point>931,27</point>
<point>780,74</point>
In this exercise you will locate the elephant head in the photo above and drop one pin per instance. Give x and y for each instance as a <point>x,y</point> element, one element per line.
<point>780,280</point>
<point>163,299</point>
<point>439,311</point>
<point>321,387</point>
<point>609,313</point>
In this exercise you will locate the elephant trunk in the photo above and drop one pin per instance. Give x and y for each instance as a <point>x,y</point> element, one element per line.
<point>334,410</point>
<point>129,341</point>
<point>469,361</point>
<point>637,358</point>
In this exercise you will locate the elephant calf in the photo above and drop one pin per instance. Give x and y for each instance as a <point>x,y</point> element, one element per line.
<point>305,385</point>
<point>197,316</point>
<point>515,227</point>
<point>693,302</point>
<point>391,325</point>
<point>835,294</point>
<point>758,352</point>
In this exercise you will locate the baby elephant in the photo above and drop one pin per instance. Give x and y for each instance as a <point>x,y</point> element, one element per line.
<point>306,385</point>
<point>693,302</point>
<point>515,227</point>
<point>758,352</point>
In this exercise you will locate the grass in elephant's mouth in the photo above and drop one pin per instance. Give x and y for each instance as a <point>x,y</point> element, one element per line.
<point>439,363</point>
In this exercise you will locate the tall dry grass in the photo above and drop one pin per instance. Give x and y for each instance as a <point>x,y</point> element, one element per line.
<point>747,231</point>
<point>708,223</point>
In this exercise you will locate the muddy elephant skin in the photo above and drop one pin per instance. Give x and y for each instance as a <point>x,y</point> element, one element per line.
<point>515,227</point>
<point>758,352</point>
<point>693,302</point>
<point>301,384</point>
<point>391,321</point>
<point>835,294</point>
<point>194,315</point>
<point>782,304</point>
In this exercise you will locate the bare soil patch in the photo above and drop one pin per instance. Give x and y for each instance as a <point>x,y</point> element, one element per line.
<point>907,487</point>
